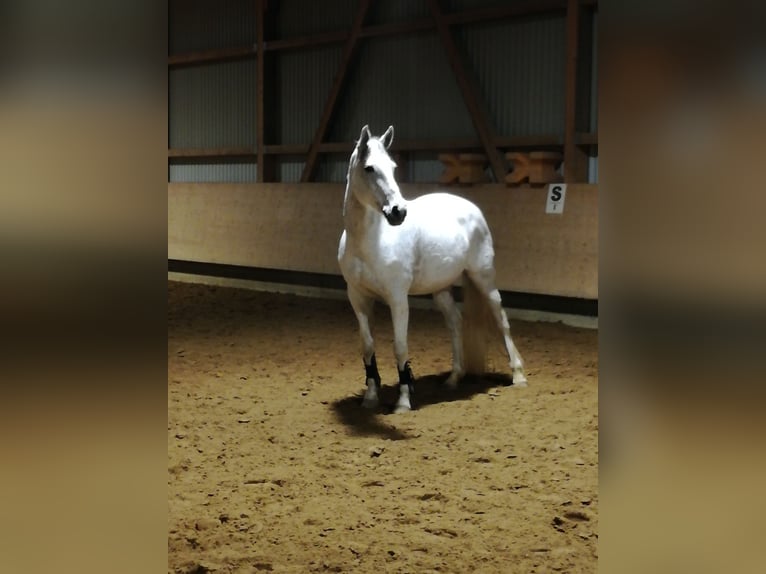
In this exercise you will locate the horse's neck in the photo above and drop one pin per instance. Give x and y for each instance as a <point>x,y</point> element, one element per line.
<point>361,222</point>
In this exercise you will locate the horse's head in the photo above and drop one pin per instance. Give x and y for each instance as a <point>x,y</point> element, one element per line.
<point>371,176</point>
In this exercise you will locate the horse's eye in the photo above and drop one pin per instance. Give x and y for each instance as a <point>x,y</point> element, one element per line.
<point>369,168</point>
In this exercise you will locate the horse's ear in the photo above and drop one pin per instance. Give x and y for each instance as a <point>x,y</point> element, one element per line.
<point>388,137</point>
<point>364,137</point>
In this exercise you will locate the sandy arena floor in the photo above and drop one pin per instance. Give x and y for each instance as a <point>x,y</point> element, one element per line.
<point>274,466</point>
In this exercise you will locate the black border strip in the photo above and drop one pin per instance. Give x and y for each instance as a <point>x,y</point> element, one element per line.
<point>512,299</point>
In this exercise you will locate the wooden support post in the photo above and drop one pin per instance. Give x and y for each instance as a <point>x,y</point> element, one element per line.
<point>348,53</point>
<point>264,92</point>
<point>479,116</point>
<point>260,140</point>
<point>575,158</point>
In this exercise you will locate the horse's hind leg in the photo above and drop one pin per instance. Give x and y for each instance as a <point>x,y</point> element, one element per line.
<point>446,304</point>
<point>363,308</point>
<point>485,282</point>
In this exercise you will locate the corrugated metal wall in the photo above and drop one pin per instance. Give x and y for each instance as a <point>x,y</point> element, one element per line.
<point>520,65</point>
<point>405,81</point>
<point>455,5</point>
<point>213,173</point>
<point>424,167</point>
<point>397,11</point>
<point>212,105</point>
<point>304,79</point>
<point>196,25</point>
<point>289,171</point>
<point>301,18</point>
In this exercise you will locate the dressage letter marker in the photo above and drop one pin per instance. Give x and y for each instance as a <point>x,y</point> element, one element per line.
<point>557,193</point>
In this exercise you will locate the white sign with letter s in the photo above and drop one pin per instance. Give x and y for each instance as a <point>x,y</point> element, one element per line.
<point>557,193</point>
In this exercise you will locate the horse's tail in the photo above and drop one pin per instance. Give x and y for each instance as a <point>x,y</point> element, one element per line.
<point>478,324</point>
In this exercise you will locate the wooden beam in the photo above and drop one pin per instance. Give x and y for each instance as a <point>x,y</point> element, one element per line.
<point>308,41</point>
<point>543,141</point>
<point>217,55</point>
<point>260,120</point>
<point>478,115</point>
<point>348,53</point>
<point>575,164</point>
<point>211,152</point>
<point>435,145</point>
<point>286,149</point>
<point>551,140</point>
<point>267,90</point>
<point>396,28</point>
<point>506,11</point>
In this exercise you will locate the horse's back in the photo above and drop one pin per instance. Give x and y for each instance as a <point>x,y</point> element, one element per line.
<point>441,200</point>
<point>453,237</point>
<point>447,213</point>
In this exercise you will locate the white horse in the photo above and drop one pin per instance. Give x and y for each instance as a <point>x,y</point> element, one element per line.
<point>392,248</point>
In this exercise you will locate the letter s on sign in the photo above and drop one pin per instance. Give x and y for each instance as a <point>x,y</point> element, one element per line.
<point>556,196</point>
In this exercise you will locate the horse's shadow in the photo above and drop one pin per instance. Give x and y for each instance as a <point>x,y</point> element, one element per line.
<point>429,390</point>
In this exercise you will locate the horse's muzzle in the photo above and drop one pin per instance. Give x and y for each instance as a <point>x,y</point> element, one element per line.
<point>396,215</point>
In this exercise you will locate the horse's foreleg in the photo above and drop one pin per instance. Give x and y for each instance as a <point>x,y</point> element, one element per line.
<point>400,314</point>
<point>446,304</point>
<point>363,308</point>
